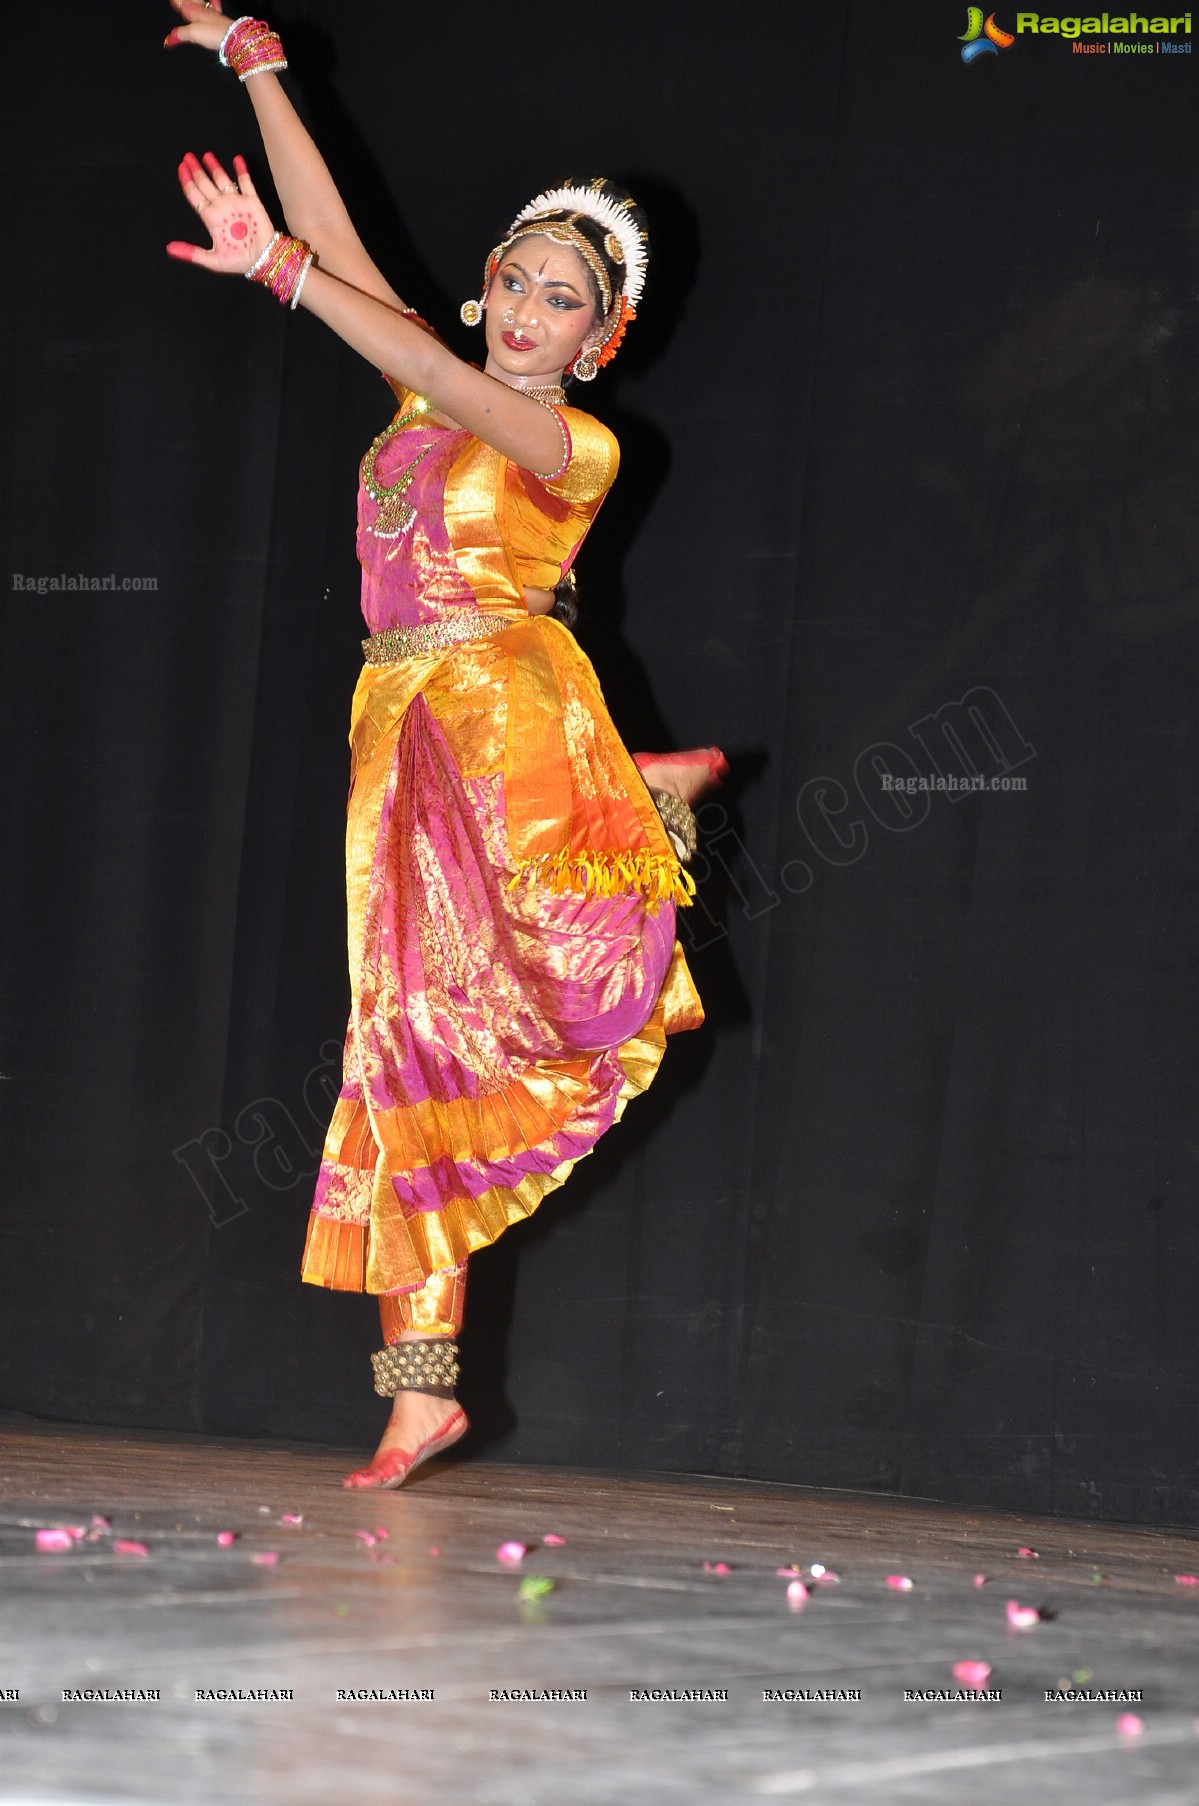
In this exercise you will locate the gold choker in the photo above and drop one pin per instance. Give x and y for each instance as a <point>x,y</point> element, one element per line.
<point>552,393</point>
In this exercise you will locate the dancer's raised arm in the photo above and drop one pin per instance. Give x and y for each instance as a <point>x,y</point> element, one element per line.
<point>312,206</point>
<point>493,406</point>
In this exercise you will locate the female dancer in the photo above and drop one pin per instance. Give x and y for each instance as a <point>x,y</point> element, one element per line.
<point>512,881</point>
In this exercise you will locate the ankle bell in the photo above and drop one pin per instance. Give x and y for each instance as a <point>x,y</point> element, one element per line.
<point>427,1365</point>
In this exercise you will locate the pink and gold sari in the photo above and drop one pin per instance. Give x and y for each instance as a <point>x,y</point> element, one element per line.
<point>512,891</point>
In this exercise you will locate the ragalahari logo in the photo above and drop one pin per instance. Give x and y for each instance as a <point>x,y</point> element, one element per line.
<point>982,37</point>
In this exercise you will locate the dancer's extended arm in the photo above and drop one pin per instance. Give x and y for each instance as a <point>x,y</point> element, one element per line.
<point>345,289</point>
<point>518,427</point>
<point>312,206</point>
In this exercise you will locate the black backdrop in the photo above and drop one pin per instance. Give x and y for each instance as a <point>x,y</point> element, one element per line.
<point>909,482</point>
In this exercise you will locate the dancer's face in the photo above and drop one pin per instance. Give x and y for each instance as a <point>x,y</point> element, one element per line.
<point>540,310</point>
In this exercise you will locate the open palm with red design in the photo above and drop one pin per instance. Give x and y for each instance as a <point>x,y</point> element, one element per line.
<point>230,211</point>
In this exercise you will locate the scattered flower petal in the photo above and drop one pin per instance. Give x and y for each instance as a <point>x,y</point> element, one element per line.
<point>1187,1580</point>
<point>1022,1617</point>
<point>226,1538</point>
<point>1129,1725</point>
<point>511,1553</point>
<point>50,1541</point>
<point>381,1533</point>
<point>434,1551</point>
<point>553,1542</point>
<point>534,1586</point>
<point>980,1580</point>
<point>972,1674</point>
<point>100,1523</point>
<point>900,1581</point>
<point>266,1558</point>
<point>786,1573</point>
<point>1029,1554</point>
<point>367,1537</point>
<point>717,1567</point>
<point>125,1545</point>
<point>827,1578</point>
<point>797,1595</point>
<point>292,1517</point>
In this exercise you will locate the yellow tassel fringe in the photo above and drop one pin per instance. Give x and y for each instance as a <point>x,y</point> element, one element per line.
<point>655,876</point>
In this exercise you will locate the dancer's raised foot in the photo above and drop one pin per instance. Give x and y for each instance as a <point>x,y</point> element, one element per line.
<point>685,774</point>
<point>420,1425</point>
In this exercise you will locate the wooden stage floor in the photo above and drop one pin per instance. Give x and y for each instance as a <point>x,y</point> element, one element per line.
<point>427,1608</point>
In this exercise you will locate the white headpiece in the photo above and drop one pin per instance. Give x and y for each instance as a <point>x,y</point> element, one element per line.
<point>629,246</point>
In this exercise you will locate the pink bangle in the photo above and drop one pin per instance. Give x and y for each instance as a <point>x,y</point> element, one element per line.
<point>283,267</point>
<point>250,47</point>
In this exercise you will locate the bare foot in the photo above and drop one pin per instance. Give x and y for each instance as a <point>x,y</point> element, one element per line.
<point>417,1420</point>
<point>686,775</point>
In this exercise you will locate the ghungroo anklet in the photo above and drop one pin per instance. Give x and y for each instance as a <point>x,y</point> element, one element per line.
<point>427,1365</point>
<point>679,822</point>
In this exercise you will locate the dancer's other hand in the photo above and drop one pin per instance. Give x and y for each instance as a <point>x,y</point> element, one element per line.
<point>231,211</point>
<point>204,25</point>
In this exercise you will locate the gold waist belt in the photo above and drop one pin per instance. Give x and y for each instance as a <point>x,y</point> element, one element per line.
<point>395,644</point>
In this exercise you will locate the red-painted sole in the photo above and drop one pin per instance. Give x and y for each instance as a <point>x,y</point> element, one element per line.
<point>391,1470</point>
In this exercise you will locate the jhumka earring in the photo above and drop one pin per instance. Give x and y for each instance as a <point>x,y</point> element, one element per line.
<point>586,365</point>
<point>471,312</point>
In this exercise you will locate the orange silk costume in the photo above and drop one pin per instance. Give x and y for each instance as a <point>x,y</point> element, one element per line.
<point>514,971</point>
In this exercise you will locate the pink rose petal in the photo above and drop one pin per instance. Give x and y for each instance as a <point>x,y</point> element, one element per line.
<point>1022,1617</point>
<point>266,1558</point>
<point>797,1595</point>
<point>367,1537</point>
<point>826,1578</point>
<point>1029,1554</point>
<point>1129,1725</point>
<point>226,1538</point>
<point>434,1551</point>
<point>381,1533</point>
<point>511,1553</point>
<point>900,1582</point>
<point>51,1541</point>
<point>717,1567</point>
<point>100,1523</point>
<point>980,1580</point>
<point>553,1542</point>
<point>786,1573</point>
<point>972,1674</point>
<point>1187,1580</point>
<point>292,1517</point>
<point>126,1546</point>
